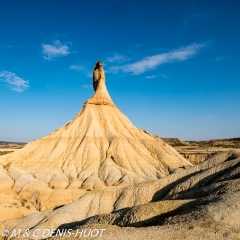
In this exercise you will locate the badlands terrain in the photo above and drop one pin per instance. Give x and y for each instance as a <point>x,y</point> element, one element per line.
<point>99,171</point>
<point>8,147</point>
<point>194,151</point>
<point>201,202</point>
<point>198,151</point>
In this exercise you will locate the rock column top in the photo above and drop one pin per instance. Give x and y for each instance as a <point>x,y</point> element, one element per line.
<point>101,95</point>
<point>98,74</point>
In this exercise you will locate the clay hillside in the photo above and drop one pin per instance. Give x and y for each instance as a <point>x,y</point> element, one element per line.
<point>201,202</point>
<point>100,172</point>
<point>16,145</point>
<point>198,151</point>
<point>221,143</point>
<point>8,147</point>
<point>98,148</point>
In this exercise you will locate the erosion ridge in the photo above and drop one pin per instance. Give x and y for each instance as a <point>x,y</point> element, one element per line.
<point>99,170</point>
<point>203,197</point>
<point>97,149</point>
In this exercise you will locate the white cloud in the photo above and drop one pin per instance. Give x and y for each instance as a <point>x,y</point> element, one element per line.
<point>163,76</point>
<point>81,68</point>
<point>118,58</point>
<point>114,69</point>
<point>87,86</point>
<point>151,62</point>
<point>57,49</point>
<point>15,83</point>
<point>78,67</point>
<point>89,74</point>
<point>151,77</point>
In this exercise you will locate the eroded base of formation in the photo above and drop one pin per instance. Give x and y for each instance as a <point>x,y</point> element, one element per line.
<point>202,201</point>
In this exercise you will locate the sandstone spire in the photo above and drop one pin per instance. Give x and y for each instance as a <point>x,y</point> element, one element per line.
<point>101,95</point>
<point>98,74</point>
<point>99,147</point>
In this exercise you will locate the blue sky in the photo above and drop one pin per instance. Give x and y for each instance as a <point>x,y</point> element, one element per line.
<point>171,66</point>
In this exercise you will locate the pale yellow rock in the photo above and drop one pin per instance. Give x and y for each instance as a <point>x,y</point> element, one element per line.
<point>59,182</point>
<point>98,148</point>
<point>11,206</point>
<point>148,202</point>
<point>5,181</point>
<point>50,199</point>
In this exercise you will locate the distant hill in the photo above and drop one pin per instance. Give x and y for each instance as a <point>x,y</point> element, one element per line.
<point>198,151</point>
<point>175,142</point>
<point>4,144</point>
<point>227,143</point>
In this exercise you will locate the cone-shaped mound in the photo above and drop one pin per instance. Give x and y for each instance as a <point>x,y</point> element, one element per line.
<point>99,147</point>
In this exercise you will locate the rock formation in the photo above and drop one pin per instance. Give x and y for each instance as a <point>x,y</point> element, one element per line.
<point>198,202</point>
<point>98,75</point>
<point>98,148</point>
